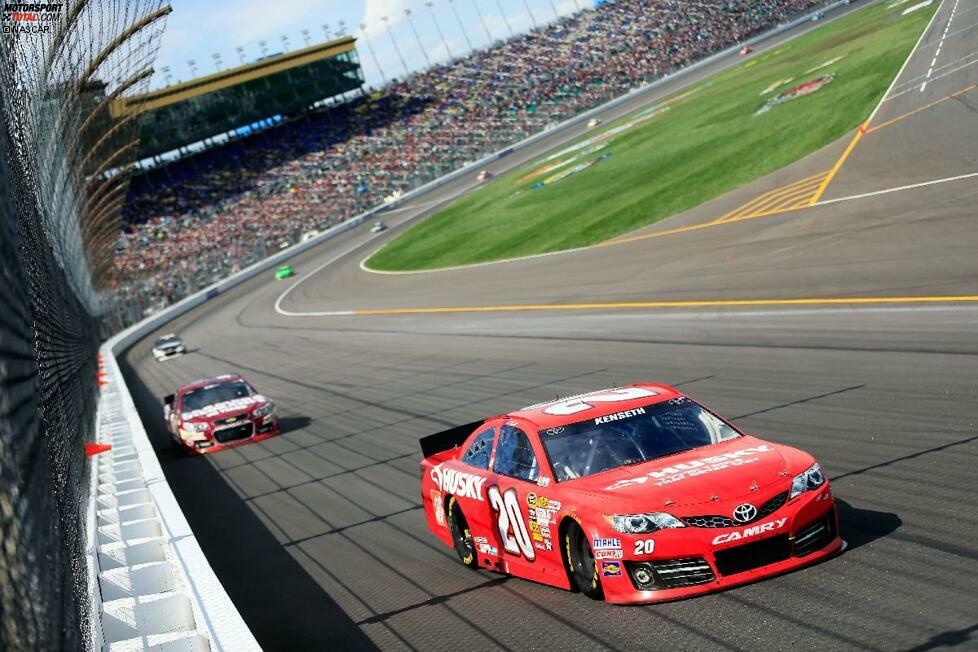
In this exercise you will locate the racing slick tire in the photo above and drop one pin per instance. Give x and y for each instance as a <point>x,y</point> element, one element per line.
<point>461,534</point>
<point>580,563</point>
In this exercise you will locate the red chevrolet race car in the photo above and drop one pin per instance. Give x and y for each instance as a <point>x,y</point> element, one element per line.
<point>634,494</point>
<point>215,413</point>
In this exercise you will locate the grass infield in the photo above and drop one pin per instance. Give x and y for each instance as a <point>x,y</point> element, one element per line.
<point>699,144</point>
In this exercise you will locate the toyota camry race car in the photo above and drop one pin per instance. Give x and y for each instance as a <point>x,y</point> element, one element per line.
<point>168,346</point>
<point>634,494</point>
<point>212,414</point>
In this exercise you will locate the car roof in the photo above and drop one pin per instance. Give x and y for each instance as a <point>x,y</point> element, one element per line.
<point>540,416</point>
<point>203,382</point>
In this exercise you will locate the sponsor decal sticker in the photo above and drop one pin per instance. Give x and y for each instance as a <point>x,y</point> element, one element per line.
<point>438,507</point>
<point>607,544</point>
<point>486,549</point>
<point>749,532</point>
<point>608,554</point>
<point>611,568</point>
<point>704,465</point>
<point>458,483</point>
<point>226,406</point>
<point>618,416</point>
<point>543,481</point>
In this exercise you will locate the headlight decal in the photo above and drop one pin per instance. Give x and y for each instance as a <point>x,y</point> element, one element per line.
<point>811,479</point>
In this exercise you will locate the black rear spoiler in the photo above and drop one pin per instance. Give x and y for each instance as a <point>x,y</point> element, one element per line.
<point>447,439</point>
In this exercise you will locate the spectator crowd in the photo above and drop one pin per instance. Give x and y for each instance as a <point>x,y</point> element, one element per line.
<point>200,218</point>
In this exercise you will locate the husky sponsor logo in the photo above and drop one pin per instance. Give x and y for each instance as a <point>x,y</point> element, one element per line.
<point>607,544</point>
<point>618,416</point>
<point>752,531</point>
<point>459,483</point>
<point>486,549</point>
<point>608,554</point>
<point>226,406</point>
<point>611,568</point>
<point>701,466</point>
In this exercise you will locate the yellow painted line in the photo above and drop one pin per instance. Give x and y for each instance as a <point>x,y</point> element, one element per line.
<point>838,166</point>
<point>771,194</point>
<point>716,303</point>
<point>922,108</point>
<point>773,199</point>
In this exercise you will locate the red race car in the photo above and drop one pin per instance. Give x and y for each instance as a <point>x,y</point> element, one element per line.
<point>216,413</point>
<point>635,494</point>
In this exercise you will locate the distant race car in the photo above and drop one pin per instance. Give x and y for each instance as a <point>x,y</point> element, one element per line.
<point>378,227</point>
<point>593,122</point>
<point>744,51</point>
<point>168,346</point>
<point>309,235</point>
<point>284,271</point>
<point>635,494</point>
<point>818,15</point>
<point>212,414</point>
<point>484,175</point>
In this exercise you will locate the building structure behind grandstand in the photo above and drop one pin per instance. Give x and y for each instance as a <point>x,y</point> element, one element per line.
<point>242,162</point>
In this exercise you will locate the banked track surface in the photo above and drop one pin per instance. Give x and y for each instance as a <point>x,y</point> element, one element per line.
<point>318,534</point>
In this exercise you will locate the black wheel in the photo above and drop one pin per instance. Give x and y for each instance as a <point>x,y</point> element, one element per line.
<point>461,534</point>
<point>581,564</point>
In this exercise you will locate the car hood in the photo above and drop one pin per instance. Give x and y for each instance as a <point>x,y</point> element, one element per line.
<point>720,472</point>
<point>225,409</point>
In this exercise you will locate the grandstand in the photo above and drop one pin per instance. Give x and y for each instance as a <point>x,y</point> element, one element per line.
<point>286,84</point>
<point>196,220</point>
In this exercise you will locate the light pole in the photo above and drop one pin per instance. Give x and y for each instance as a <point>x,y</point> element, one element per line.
<point>482,19</point>
<point>438,27</point>
<point>363,34</point>
<point>390,35</point>
<point>285,43</point>
<point>166,74</point>
<point>305,37</point>
<point>326,31</point>
<point>241,54</point>
<point>451,3</point>
<point>263,46</point>
<point>217,61</point>
<point>193,67</point>
<point>505,20</point>
<point>424,52</point>
<point>529,11</point>
<point>554,7</point>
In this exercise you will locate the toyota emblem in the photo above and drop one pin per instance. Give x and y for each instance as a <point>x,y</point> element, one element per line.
<point>744,513</point>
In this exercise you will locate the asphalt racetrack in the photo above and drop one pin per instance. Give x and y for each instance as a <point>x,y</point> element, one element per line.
<point>319,537</point>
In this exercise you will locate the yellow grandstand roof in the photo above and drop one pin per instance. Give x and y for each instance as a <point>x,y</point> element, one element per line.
<point>230,77</point>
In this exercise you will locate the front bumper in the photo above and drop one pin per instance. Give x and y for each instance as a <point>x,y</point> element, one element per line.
<point>687,561</point>
<point>166,354</point>
<point>261,428</point>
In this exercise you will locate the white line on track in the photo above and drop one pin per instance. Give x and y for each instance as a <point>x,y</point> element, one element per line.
<point>939,45</point>
<point>887,191</point>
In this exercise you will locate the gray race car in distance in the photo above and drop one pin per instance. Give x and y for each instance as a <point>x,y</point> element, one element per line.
<point>168,346</point>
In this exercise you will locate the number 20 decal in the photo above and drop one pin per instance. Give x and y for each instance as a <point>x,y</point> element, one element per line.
<point>645,546</point>
<point>581,403</point>
<point>512,527</point>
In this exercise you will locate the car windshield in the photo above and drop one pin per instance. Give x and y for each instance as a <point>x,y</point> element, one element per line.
<point>631,437</point>
<point>164,341</point>
<point>217,393</point>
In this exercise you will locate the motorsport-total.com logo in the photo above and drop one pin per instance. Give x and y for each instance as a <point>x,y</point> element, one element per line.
<point>29,17</point>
